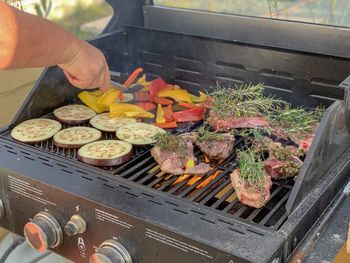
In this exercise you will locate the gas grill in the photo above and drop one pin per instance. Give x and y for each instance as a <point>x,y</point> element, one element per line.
<point>134,212</point>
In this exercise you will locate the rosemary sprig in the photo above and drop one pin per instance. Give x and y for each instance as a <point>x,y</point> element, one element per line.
<point>170,142</point>
<point>284,154</point>
<point>251,166</point>
<point>297,120</point>
<point>205,135</point>
<point>247,100</point>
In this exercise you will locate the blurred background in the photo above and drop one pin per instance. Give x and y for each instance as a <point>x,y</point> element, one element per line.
<point>87,18</point>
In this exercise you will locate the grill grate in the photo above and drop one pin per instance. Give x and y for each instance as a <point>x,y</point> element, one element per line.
<point>212,191</point>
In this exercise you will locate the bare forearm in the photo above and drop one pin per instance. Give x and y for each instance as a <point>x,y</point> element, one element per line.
<point>30,41</point>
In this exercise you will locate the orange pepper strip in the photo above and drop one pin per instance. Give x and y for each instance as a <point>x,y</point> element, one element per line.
<point>132,77</point>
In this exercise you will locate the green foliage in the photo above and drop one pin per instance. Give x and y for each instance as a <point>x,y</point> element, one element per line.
<point>205,135</point>
<point>296,121</point>
<point>43,8</point>
<point>245,101</point>
<point>170,142</point>
<point>251,166</point>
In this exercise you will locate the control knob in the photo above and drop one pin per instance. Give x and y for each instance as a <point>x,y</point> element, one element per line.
<point>43,232</point>
<point>111,251</point>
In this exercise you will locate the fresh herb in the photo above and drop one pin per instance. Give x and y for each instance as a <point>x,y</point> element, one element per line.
<point>296,121</point>
<point>251,167</point>
<point>205,135</point>
<point>247,100</point>
<point>285,153</point>
<point>170,142</point>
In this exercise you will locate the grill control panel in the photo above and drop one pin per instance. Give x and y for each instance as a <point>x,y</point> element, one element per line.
<point>86,231</point>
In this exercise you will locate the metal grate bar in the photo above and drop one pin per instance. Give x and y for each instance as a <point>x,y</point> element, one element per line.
<point>275,208</point>
<point>257,211</point>
<point>145,169</point>
<point>202,192</point>
<point>213,193</point>
<point>223,198</point>
<point>139,164</point>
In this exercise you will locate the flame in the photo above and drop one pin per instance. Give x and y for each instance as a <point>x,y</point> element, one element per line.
<point>208,180</point>
<point>180,179</point>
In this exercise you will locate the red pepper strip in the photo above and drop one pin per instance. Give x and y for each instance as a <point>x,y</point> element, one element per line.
<point>156,86</point>
<point>142,96</point>
<point>189,115</point>
<point>148,106</point>
<point>162,101</point>
<point>189,105</point>
<point>121,96</point>
<point>168,113</point>
<point>167,125</point>
<point>132,77</point>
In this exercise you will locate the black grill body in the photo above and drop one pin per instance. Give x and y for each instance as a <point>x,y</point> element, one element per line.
<point>156,220</point>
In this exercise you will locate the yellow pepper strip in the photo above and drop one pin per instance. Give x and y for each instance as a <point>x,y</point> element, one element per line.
<point>201,98</point>
<point>160,119</point>
<point>90,100</point>
<point>108,97</point>
<point>97,93</point>
<point>128,110</point>
<point>177,94</point>
<point>142,81</point>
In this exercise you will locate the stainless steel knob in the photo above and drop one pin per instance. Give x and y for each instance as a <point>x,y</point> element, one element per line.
<point>43,232</point>
<point>2,209</point>
<point>111,251</point>
<point>76,225</point>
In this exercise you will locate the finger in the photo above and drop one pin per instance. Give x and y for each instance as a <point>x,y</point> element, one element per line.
<point>107,79</point>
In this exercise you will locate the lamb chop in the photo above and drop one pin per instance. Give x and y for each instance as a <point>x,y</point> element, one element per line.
<point>283,161</point>
<point>241,107</point>
<point>214,145</point>
<point>250,181</point>
<point>175,156</point>
<point>299,125</point>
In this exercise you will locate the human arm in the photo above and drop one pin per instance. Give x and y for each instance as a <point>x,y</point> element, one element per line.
<point>31,41</point>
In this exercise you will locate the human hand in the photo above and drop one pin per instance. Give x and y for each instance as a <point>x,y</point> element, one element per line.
<point>87,68</point>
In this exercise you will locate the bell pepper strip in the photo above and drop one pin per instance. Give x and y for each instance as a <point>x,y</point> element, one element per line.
<point>189,115</point>
<point>167,125</point>
<point>128,110</point>
<point>177,94</point>
<point>189,105</point>
<point>168,113</point>
<point>156,86</point>
<point>162,101</point>
<point>160,115</point>
<point>147,106</point>
<point>143,81</point>
<point>109,97</point>
<point>132,77</point>
<point>199,99</point>
<point>90,100</point>
<point>142,96</point>
<point>97,93</point>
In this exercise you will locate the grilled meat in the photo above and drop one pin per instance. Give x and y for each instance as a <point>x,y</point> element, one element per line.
<point>228,123</point>
<point>217,148</point>
<point>283,161</point>
<point>251,195</point>
<point>178,163</point>
<point>304,141</point>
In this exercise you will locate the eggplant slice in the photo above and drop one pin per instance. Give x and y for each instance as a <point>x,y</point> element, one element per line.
<point>138,133</point>
<point>105,153</point>
<point>76,137</point>
<point>35,130</point>
<point>106,123</point>
<point>73,114</point>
